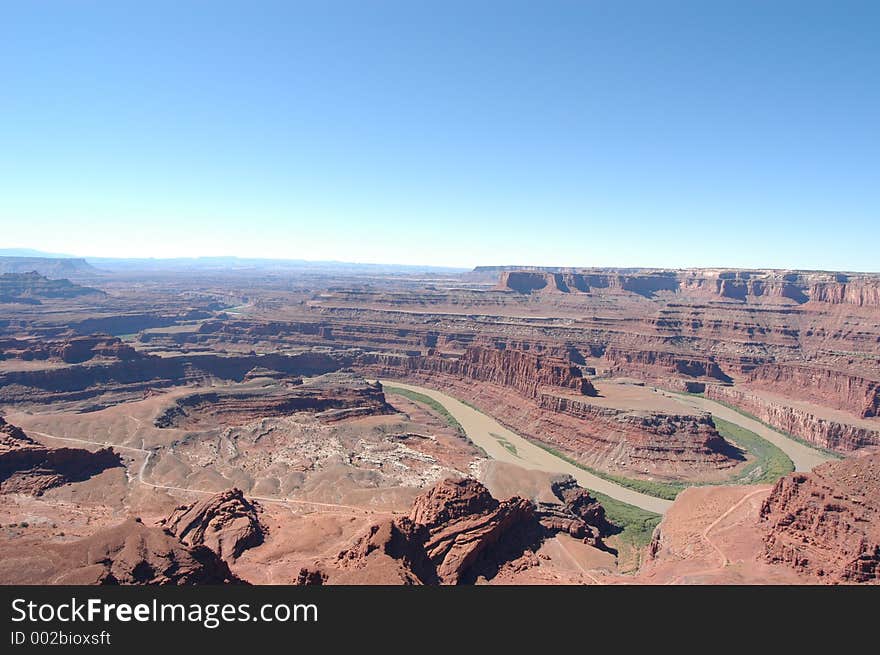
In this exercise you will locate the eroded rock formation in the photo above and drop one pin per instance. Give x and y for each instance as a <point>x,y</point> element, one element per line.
<point>132,553</point>
<point>226,522</point>
<point>31,468</point>
<point>457,532</point>
<point>827,522</point>
<point>526,372</point>
<point>835,388</point>
<point>822,432</point>
<point>577,513</point>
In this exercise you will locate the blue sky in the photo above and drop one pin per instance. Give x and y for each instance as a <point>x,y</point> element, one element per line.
<point>586,133</point>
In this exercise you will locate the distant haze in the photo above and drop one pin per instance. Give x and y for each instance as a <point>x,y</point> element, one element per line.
<point>634,134</point>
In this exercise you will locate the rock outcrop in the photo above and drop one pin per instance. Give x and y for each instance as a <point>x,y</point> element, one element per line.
<point>30,468</point>
<point>457,532</point>
<point>132,553</point>
<point>227,523</point>
<point>577,513</point>
<point>827,522</point>
<point>468,532</point>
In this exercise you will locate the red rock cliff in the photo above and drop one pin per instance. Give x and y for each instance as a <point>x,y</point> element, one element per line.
<point>827,522</point>
<point>524,371</point>
<point>824,433</point>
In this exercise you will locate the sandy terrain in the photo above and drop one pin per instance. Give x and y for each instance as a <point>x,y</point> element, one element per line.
<point>617,394</point>
<point>712,536</point>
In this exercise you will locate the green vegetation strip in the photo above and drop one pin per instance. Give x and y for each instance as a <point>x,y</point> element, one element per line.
<point>636,524</point>
<point>770,462</point>
<point>769,465</point>
<point>430,402</point>
<point>505,443</point>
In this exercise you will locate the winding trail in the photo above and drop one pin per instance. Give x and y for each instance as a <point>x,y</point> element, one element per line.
<point>480,429</point>
<point>704,535</point>
<point>576,563</point>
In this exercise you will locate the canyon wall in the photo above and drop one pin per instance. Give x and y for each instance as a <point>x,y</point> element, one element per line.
<point>136,375</point>
<point>30,468</point>
<point>801,423</point>
<point>524,371</point>
<point>661,364</point>
<point>834,388</point>
<point>623,441</point>
<point>827,522</point>
<point>859,289</point>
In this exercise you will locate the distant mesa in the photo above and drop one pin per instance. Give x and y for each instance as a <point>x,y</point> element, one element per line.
<point>48,266</point>
<point>860,289</point>
<point>32,287</point>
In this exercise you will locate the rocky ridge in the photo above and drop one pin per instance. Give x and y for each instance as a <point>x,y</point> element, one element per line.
<point>129,553</point>
<point>31,468</point>
<point>457,533</point>
<point>826,523</point>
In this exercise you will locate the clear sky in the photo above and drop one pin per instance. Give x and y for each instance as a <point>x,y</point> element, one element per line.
<point>575,133</point>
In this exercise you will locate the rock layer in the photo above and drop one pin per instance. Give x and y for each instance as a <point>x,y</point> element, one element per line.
<point>332,397</point>
<point>526,372</point>
<point>798,286</point>
<point>827,523</point>
<point>802,423</point>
